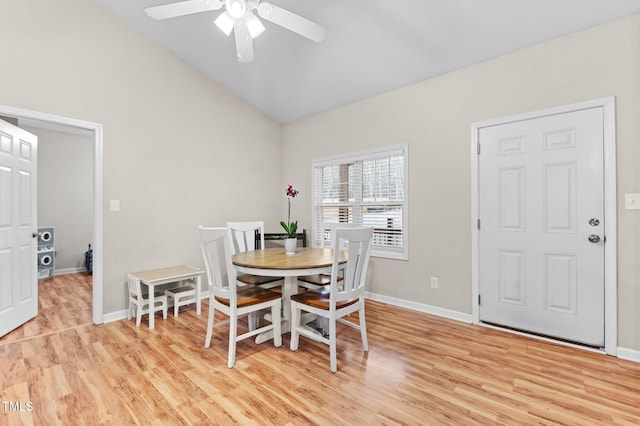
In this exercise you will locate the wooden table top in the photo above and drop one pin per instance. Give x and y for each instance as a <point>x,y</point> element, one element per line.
<point>167,273</point>
<point>275,258</point>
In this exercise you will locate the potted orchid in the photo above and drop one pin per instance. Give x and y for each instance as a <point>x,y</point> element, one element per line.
<point>290,228</point>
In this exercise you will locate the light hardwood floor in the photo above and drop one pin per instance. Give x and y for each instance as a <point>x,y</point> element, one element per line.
<point>64,301</point>
<point>420,370</point>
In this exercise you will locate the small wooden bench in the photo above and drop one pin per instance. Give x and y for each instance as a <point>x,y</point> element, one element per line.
<point>184,295</point>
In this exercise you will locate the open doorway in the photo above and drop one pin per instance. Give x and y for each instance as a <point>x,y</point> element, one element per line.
<point>92,136</point>
<point>65,224</point>
<point>65,192</point>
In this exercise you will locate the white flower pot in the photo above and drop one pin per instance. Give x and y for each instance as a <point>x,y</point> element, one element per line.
<point>290,245</point>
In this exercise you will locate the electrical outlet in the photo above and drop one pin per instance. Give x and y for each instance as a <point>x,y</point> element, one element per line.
<point>632,201</point>
<point>434,282</point>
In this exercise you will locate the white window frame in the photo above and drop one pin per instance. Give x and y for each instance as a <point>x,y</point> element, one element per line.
<point>400,253</point>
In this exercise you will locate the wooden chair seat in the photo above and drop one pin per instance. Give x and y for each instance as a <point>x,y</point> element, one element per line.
<point>248,296</point>
<point>320,299</point>
<point>317,279</point>
<point>257,279</point>
<point>182,296</point>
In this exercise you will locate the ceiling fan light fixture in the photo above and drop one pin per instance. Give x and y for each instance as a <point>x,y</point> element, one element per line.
<point>265,10</point>
<point>236,8</point>
<point>254,25</point>
<point>225,22</point>
<point>240,18</point>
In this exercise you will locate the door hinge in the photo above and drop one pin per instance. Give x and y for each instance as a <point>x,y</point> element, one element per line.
<point>478,148</point>
<point>478,223</point>
<point>478,299</point>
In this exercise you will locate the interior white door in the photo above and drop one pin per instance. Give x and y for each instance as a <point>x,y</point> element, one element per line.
<point>541,242</point>
<point>18,223</point>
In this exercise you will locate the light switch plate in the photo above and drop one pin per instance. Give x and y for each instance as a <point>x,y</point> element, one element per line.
<point>433,282</point>
<point>632,201</point>
<point>115,205</point>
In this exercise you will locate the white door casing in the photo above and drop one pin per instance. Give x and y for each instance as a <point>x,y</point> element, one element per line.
<point>98,192</point>
<point>538,181</point>
<point>18,224</point>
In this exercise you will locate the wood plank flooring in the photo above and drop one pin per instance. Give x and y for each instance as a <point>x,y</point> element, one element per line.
<point>420,370</point>
<point>64,301</point>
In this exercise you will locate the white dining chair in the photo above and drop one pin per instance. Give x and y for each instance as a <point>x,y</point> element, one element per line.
<point>226,296</point>
<point>318,280</point>
<point>242,237</point>
<point>337,300</point>
<point>139,301</point>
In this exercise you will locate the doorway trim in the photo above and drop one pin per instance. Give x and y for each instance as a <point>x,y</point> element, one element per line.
<point>610,213</point>
<point>98,191</point>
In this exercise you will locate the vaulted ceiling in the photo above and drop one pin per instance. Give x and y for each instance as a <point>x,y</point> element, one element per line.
<point>372,46</point>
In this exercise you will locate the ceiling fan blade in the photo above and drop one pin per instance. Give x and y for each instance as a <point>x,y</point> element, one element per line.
<point>182,8</point>
<point>292,22</point>
<point>244,44</point>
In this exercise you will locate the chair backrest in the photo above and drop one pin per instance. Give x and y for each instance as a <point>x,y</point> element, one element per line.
<point>217,262</point>
<point>242,235</point>
<point>135,289</point>
<point>357,243</point>
<point>327,230</point>
<point>277,239</point>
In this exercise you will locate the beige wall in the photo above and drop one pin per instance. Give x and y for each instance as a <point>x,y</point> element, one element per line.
<point>178,150</point>
<point>65,193</point>
<point>434,117</point>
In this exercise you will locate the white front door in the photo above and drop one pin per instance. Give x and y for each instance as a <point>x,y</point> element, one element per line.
<point>18,223</point>
<point>541,237</point>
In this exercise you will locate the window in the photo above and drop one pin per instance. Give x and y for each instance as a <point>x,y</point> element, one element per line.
<point>365,189</point>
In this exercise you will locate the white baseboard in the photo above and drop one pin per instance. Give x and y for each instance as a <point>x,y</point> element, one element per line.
<point>69,271</point>
<point>421,307</point>
<point>629,354</point>
<point>123,314</point>
<point>115,316</point>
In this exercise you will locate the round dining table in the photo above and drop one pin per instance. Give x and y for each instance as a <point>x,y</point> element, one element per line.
<point>274,262</point>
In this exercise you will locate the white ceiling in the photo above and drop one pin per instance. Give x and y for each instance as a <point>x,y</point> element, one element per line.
<point>372,46</point>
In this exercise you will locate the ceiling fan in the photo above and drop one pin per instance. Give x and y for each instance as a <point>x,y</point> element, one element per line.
<point>239,17</point>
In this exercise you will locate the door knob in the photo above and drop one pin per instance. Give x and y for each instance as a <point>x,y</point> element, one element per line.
<point>594,238</point>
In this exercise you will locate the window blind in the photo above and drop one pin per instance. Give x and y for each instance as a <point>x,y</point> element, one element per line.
<point>363,189</point>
